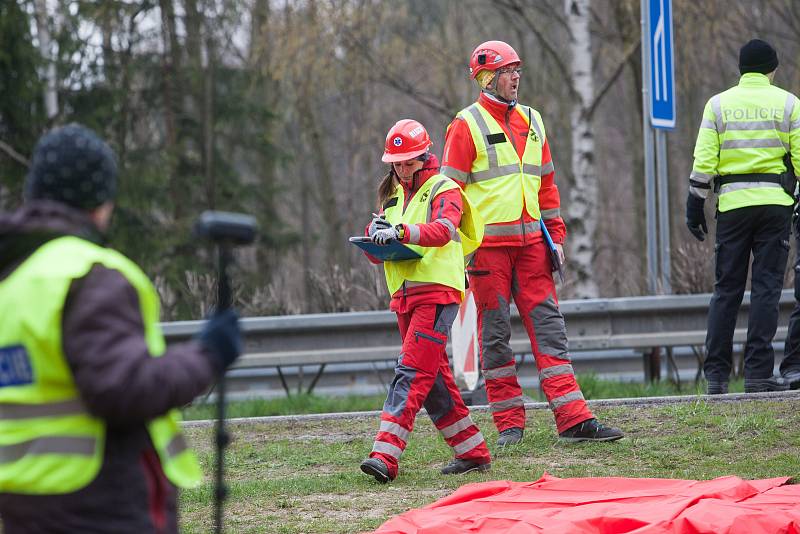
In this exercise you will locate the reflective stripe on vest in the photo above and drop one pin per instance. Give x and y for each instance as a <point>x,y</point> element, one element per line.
<point>33,411</point>
<point>752,133</point>
<point>497,175</point>
<point>438,265</point>
<point>66,445</point>
<point>513,229</point>
<point>49,443</point>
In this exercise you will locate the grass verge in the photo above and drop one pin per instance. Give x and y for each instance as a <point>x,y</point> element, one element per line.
<point>303,476</point>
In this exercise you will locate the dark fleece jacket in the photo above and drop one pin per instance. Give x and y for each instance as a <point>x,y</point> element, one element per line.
<point>118,381</point>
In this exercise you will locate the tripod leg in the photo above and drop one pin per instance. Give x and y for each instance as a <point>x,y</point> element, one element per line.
<point>223,302</point>
<point>220,491</point>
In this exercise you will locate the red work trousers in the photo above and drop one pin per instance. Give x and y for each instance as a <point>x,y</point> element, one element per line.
<point>423,378</point>
<point>496,274</point>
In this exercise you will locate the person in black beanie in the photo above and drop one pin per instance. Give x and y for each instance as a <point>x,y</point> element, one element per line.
<point>88,389</point>
<point>747,145</point>
<point>757,56</point>
<point>73,167</point>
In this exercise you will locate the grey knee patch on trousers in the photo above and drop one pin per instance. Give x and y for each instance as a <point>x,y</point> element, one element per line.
<point>445,320</point>
<point>398,391</point>
<point>439,402</point>
<point>550,329</point>
<point>495,335</point>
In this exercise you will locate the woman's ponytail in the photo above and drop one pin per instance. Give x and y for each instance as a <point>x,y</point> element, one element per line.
<point>387,187</point>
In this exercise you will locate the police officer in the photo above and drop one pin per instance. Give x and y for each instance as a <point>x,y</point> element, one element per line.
<point>745,134</point>
<point>89,437</point>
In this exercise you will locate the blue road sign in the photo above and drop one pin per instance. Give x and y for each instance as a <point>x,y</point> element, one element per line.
<point>662,75</point>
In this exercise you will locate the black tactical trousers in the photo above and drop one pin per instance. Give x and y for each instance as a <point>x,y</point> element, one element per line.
<point>764,232</point>
<point>791,359</point>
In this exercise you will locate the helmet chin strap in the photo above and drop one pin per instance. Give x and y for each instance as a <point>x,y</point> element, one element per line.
<point>491,90</point>
<point>493,94</point>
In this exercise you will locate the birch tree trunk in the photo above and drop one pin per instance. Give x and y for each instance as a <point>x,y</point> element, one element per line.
<point>43,32</point>
<point>583,196</point>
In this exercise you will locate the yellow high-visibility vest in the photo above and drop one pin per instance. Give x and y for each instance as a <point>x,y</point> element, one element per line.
<point>49,443</point>
<point>499,184</point>
<point>439,265</point>
<point>746,130</point>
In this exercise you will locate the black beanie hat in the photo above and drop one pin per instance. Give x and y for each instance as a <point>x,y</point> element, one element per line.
<point>72,165</point>
<point>757,56</point>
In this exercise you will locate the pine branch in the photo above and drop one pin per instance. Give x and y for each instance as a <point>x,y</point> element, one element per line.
<point>516,9</point>
<point>13,154</point>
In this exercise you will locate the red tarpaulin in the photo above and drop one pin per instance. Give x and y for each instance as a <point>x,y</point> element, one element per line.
<point>726,505</point>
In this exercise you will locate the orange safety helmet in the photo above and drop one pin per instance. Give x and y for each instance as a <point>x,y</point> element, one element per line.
<point>406,140</point>
<point>491,56</point>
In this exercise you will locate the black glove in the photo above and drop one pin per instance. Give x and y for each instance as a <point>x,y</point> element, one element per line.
<point>696,217</point>
<point>221,339</point>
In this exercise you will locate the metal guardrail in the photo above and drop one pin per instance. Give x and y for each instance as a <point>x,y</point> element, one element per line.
<point>593,324</point>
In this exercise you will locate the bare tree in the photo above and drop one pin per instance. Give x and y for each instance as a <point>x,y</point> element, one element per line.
<point>170,65</point>
<point>45,48</point>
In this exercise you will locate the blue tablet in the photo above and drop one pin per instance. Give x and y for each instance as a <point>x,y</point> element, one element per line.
<point>394,251</point>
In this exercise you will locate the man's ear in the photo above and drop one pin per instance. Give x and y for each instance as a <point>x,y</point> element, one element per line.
<point>101,215</point>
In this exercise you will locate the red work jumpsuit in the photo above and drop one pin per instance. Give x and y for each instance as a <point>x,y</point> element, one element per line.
<point>513,261</point>
<point>423,377</point>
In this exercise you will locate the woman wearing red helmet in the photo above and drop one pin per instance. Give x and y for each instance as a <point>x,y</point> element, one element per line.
<point>427,212</point>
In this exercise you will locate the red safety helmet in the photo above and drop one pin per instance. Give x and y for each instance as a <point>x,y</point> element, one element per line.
<point>492,55</point>
<point>406,140</point>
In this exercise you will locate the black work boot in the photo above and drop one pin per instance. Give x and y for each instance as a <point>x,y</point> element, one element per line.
<point>510,436</point>
<point>760,385</point>
<point>376,468</point>
<point>792,377</point>
<point>459,467</point>
<point>590,430</point>
<point>716,387</point>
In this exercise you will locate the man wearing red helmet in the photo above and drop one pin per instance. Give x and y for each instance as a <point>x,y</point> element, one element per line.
<point>430,214</point>
<point>497,151</point>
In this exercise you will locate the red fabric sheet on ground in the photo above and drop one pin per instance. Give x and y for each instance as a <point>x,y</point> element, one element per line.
<point>726,505</point>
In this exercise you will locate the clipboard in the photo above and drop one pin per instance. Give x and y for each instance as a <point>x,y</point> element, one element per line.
<point>552,250</point>
<point>394,251</point>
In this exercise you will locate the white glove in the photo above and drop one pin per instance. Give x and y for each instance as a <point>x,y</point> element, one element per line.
<point>378,223</point>
<point>384,236</point>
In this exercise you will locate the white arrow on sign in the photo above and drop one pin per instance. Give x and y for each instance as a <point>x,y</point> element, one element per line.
<point>659,49</point>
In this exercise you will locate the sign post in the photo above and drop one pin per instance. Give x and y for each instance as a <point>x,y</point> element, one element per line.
<point>658,96</point>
